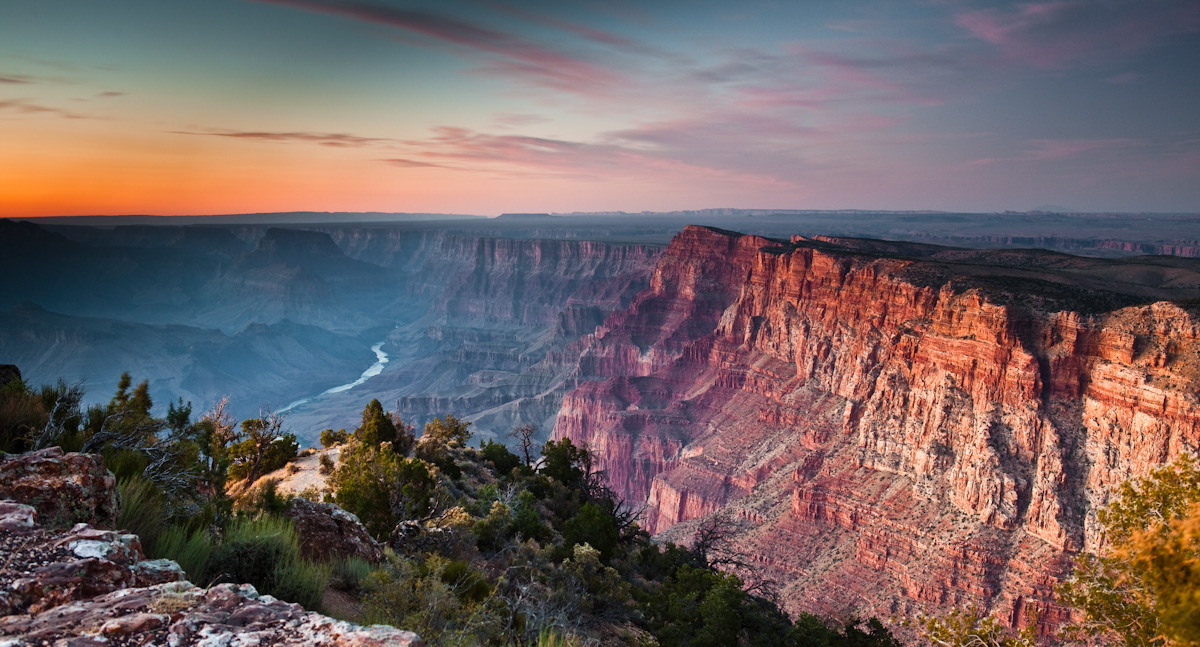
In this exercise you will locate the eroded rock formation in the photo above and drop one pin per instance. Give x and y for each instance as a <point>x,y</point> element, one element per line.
<point>896,426</point>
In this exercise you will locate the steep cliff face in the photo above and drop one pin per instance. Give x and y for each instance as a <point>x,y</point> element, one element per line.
<point>501,323</point>
<point>895,426</point>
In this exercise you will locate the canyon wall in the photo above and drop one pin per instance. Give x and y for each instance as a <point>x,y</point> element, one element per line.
<point>894,427</point>
<point>493,321</point>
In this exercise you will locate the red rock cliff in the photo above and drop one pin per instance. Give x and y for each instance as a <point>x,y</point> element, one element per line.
<point>895,427</point>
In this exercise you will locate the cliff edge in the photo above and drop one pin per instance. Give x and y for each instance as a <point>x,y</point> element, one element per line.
<point>895,427</point>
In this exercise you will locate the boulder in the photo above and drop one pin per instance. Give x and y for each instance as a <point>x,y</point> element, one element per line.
<point>64,488</point>
<point>328,532</point>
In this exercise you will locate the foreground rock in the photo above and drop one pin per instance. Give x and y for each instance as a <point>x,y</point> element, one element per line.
<point>65,489</point>
<point>179,614</point>
<point>95,587</point>
<point>897,428</point>
<point>43,569</point>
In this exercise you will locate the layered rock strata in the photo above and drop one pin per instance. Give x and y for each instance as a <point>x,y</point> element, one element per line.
<point>494,345</point>
<point>896,427</point>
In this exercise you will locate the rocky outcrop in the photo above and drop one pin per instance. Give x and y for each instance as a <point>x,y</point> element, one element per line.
<point>898,426</point>
<point>95,587</point>
<point>182,614</point>
<point>64,488</point>
<point>328,532</point>
<point>45,569</point>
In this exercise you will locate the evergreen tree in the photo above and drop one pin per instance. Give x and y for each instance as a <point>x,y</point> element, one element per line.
<point>377,426</point>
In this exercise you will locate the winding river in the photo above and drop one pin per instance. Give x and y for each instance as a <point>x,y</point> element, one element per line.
<point>381,358</point>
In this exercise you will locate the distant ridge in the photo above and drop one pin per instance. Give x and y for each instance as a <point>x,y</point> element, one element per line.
<point>281,218</point>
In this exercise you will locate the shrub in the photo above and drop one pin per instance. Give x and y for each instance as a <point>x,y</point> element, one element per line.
<point>349,572</point>
<point>593,526</point>
<point>264,551</point>
<point>447,430</point>
<point>21,414</point>
<point>1143,587</point>
<point>566,463</point>
<point>502,460</point>
<point>377,426</point>
<point>331,438</point>
<point>141,510</point>
<point>419,597</point>
<point>190,550</point>
<point>381,487</point>
<point>302,582</point>
<point>265,498</point>
<point>265,449</point>
<point>327,465</point>
<point>437,454</point>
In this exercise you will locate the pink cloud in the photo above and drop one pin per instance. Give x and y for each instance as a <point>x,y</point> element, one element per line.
<point>1060,32</point>
<point>515,56</point>
<point>27,107</point>
<point>525,156</point>
<point>335,140</point>
<point>1041,150</point>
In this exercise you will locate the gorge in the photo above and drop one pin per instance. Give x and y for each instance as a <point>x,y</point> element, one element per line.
<point>893,427</point>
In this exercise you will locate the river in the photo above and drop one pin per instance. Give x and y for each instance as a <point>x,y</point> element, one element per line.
<point>381,358</point>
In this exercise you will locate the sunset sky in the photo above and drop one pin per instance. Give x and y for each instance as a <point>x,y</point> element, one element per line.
<point>235,106</point>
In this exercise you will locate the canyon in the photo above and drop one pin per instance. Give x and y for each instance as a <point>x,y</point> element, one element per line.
<point>893,428</point>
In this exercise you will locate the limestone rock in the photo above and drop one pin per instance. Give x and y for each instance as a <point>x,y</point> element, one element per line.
<point>64,488</point>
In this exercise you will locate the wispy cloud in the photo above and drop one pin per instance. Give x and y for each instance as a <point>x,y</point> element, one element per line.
<point>628,156</point>
<point>510,54</point>
<point>1043,150</point>
<point>336,140</point>
<point>407,163</point>
<point>518,120</point>
<point>109,95</point>
<point>28,107</point>
<point>606,38</point>
<point>1052,34</point>
<point>15,79</point>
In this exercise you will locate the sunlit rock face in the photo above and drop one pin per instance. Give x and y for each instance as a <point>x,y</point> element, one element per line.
<point>896,427</point>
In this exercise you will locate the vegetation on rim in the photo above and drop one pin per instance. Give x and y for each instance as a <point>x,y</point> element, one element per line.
<point>486,547</point>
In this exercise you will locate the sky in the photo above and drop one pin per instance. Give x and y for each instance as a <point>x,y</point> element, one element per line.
<point>242,106</point>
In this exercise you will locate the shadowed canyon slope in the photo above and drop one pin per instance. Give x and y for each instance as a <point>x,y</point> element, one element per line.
<point>894,426</point>
<point>472,325</point>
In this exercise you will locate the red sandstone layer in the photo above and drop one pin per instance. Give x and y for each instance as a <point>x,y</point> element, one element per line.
<point>894,434</point>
